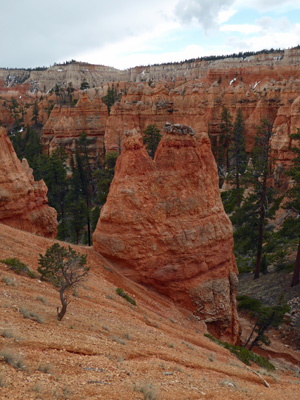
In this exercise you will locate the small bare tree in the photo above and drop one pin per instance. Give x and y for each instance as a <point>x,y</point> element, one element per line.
<point>65,269</point>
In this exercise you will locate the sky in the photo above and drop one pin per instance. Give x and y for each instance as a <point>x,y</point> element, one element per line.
<point>129,33</point>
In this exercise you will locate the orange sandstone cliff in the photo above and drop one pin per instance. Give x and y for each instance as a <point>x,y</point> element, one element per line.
<point>164,225</point>
<point>23,202</point>
<point>66,124</point>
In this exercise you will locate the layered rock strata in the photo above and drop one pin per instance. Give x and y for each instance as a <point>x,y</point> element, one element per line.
<point>165,226</point>
<point>23,201</point>
<point>66,124</point>
<point>96,75</point>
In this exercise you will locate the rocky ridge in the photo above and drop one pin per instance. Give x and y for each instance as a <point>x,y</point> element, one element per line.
<point>164,225</point>
<point>198,103</point>
<point>23,201</point>
<point>44,79</point>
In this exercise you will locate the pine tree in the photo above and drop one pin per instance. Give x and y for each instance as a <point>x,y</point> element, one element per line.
<point>225,139</point>
<point>35,113</point>
<point>76,204</point>
<point>151,138</point>
<point>104,177</point>
<point>111,97</point>
<point>258,205</point>
<point>238,153</point>
<point>294,200</point>
<point>55,177</point>
<point>263,169</point>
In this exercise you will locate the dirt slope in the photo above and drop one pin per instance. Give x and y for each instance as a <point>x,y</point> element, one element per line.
<point>106,348</point>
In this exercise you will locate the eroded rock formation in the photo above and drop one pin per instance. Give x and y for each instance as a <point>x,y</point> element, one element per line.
<point>165,226</point>
<point>23,202</point>
<point>66,124</point>
<point>193,93</point>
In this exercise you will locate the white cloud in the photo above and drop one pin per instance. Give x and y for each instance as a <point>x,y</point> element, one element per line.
<point>38,33</point>
<point>266,39</point>
<point>225,15</point>
<point>277,6</point>
<point>127,33</point>
<point>207,13</point>
<point>244,28</point>
<point>271,24</point>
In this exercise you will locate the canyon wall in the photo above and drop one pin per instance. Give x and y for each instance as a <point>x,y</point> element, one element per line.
<point>199,103</point>
<point>66,124</point>
<point>164,225</point>
<point>23,202</point>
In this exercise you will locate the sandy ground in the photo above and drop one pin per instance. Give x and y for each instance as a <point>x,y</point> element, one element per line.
<point>106,348</point>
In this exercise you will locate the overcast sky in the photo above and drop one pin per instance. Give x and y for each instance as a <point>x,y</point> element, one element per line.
<point>127,33</point>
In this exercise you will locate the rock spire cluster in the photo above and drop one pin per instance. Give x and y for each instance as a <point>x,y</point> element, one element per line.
<point>164,225</point>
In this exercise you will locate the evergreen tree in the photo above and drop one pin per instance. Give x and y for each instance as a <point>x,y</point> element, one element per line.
<point>259,203</point>
<point>238,153</point>
<point>263,169</point>
<point>151,138</point>
<point>76,203</point>
<point>54,173</point>
<point>111,97</point>
<point>70,91</point>
<point>294,203</point>
<point>104,177</point>
<point>65,269</point>
<point>84,85</point>
<point>225,139</point>
<point>35,113</point>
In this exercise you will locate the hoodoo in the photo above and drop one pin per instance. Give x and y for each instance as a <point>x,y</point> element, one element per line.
<point>23,201</point>
<point>165,226</point>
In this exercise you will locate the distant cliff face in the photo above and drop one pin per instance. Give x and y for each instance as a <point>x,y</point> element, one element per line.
<point>165,226</point>
<point>23,202</point>
<point>260,92</point>
<point>45,79</point>
<point>193,93</point>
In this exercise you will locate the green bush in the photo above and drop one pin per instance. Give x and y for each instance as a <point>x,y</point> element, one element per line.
<point>249,304</point>
<point>243,354</point>
<point>30,315</point>
<point>18,267</point>
<point>121,293</point>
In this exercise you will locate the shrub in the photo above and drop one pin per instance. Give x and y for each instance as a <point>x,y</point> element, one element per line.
<point>243,354</point>
<point>13,359</point>
<point>18,267</point>
<point>7,333</point>
<point>126,296</point>
<point>8,281</point>
<point>46,368</point>
<point>148,390</point>
<point>117,339</point>
<point>41,299</point>
<point>31,315</point>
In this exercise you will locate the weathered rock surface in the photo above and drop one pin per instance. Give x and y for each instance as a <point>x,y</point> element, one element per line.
<point>66,124</point>
<point>23,202</point>
<point>97,75</point>
<point>193,93</point>
<point>165,226</point>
